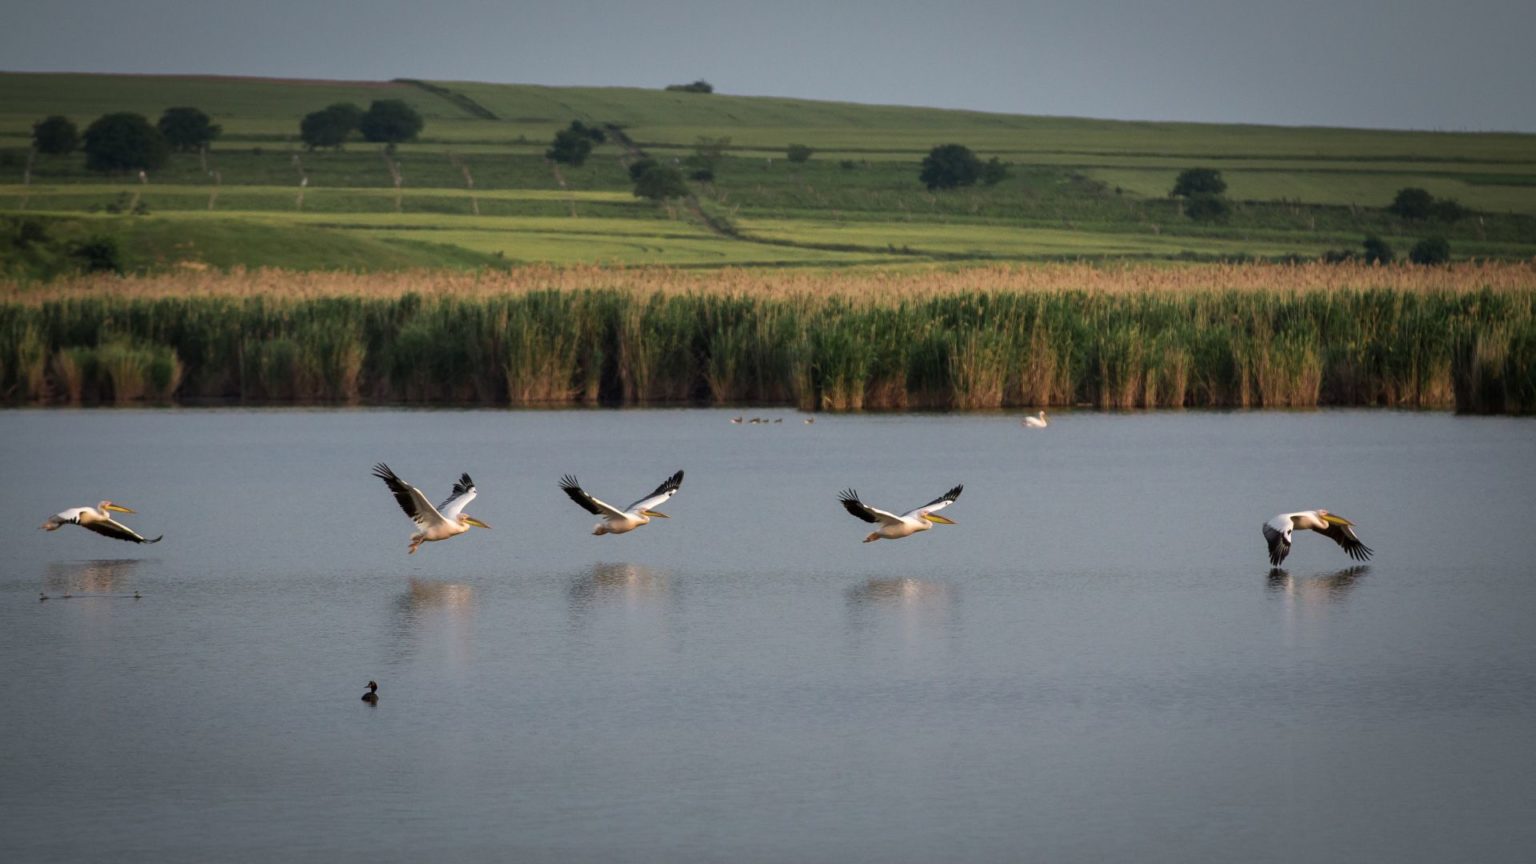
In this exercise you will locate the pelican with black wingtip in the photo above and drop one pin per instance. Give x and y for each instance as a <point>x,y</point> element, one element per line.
<point>1277,533</point>
<point>437,523</point>
<point>893,527</point>
<point>614,520</point>
<point>99,520</point>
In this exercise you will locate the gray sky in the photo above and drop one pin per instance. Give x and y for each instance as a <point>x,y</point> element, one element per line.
<point>1414,64</point>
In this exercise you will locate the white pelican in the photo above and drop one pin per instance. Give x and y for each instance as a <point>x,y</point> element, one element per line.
<point>1037,421</point>
<point>614,520</point>
<point>437,523</point>
<point>1277,533</point>
<point>893,527</point>
<point>96,519</point>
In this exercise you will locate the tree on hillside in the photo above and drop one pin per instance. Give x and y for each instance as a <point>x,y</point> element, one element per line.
<point>1431,250</point>
<point>390,122</point>
<point>798,153</point>
<point>640,166</point>
<point>187,130</point>
<point>124,142</point>
<point>330,126</point>
<point>569,148</point>
<point>1412,203</point>
<point>949,166</point>
<point>1377,251</point>
<point>593,133</point>
<point>1198,181</point>
<point>660,182</point>
<point>55,136</point>
<point>573,144</point>
<point>699,86</point>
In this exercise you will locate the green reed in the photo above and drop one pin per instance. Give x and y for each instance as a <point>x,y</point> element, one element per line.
<point>968,351</point>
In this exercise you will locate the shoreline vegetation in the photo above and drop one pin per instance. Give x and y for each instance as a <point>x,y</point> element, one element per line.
<point>980,338</point>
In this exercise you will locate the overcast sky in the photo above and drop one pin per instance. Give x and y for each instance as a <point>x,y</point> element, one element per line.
<point>1415,64</point>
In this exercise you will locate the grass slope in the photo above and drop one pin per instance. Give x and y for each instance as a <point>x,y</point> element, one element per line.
<point>1078,187</point>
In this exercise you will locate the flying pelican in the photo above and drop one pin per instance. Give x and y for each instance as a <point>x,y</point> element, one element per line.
<point>893,527</point>
<point>1037,421</point>
<point>437,523</point>
<point>97,519</point>
<point>1277,533</point>
<point>614,520</point>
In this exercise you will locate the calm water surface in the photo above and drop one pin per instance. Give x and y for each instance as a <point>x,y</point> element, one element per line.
<point>1095,664</point>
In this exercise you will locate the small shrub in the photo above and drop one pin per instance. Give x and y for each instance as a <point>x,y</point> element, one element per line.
<point>699,86</point>
<point>1431,250</point>
<point>99,255</point>
<point>1377,251</point>
<point>1412,203</point>
<point>798,153</point>
<point>1194,182</point>
<point>55,136</point>
<point>949,166</point>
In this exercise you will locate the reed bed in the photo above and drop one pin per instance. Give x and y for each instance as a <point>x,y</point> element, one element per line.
<point>985,339</point>
<point>873,285</point>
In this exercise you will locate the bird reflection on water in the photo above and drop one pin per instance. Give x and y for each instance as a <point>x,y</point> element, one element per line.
<point>84,578</point>
<point>905,591</point>
<point>432,612</point>
<point>922,609</point>
<point>629,584</point>
<point>1317,590</point>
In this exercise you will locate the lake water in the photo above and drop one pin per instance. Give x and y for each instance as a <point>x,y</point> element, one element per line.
<point>1095,664</point>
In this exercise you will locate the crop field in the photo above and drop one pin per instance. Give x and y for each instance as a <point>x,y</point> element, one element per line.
<point>474,189</point>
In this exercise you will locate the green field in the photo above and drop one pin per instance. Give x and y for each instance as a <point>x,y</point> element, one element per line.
<point>1077,188</point>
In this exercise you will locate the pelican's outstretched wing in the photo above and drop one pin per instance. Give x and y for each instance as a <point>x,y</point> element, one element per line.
<point>117,531</point>
<point>666,490</point>
<point>463,493</point>
<point>937,504</point>
<point>1277,533</point>
<point>858,508</point>
<point>410,498</point>
<point>1340,531</point>
<point>592,505</point>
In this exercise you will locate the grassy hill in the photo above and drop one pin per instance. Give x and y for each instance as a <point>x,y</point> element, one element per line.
<point>1077,188</point>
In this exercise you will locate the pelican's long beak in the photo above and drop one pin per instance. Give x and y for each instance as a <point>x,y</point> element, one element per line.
<point>654,514</point>
<point>1335,520</point>
<point>470,520</point>
<point>119,508</point>
<point>936,518</point>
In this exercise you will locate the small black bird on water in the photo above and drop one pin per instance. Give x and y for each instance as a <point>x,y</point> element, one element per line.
<point>372,696</point>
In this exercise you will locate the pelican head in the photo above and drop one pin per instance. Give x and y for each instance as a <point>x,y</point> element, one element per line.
<point>108,505</point>
<point>466,519</point>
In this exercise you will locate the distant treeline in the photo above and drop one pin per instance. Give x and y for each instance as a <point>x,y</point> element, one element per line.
<point>982,350</point>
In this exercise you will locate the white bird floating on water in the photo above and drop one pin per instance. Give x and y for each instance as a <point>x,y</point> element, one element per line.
<point>1277,533</point>
<point>614,520</point>
<point>437,523</point>
<point>893,527</point>
<point>1037,421</point>
<point>97,519</point>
